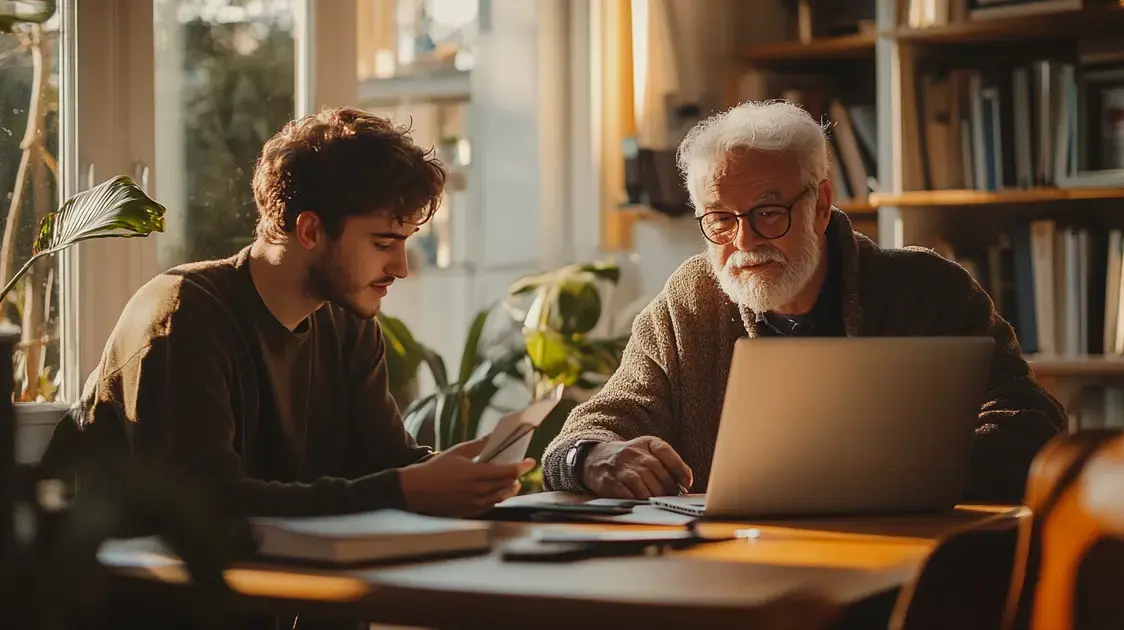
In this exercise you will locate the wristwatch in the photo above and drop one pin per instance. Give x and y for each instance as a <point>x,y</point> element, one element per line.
<point>575,459</point>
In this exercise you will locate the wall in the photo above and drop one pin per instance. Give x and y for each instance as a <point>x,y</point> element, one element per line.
<point>662,244</point>
<point>703,34</point>
<point>530,116</point>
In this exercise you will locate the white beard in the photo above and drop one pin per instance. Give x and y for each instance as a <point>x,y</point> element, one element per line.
<point>759,292</point>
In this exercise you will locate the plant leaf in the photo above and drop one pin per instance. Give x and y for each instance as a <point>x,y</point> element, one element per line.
<point>549,429</point>
<point>603,270</point>
<point>116,207</point>
<point>530,283</point>
<point>417,416</point>
<point>471,355</point>
<point>436,366</point>
<point>482,386</point>
<point>578,307</point>
<point>447,419</point>
<point>553,356</point>
<point>402,354</point>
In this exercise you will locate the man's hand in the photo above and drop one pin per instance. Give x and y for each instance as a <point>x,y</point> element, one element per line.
<point>451,484</point>
<point>637,469</point>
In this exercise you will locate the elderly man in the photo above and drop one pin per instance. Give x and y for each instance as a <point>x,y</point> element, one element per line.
<point>780,261</point>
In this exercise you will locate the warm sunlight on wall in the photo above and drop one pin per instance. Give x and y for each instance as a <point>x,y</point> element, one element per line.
<point>639,24</point>
<point>617,107</point>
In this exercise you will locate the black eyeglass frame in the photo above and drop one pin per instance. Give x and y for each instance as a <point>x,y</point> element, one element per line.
<point>750,214</point>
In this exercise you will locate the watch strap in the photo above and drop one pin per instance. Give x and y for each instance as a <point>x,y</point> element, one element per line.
<point>581,450</point>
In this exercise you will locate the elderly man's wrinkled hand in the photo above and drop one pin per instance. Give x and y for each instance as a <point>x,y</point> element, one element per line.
<point>637,469</point>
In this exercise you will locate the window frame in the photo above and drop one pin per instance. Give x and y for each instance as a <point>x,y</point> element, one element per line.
<point>109,115</point>
<point>111,120</point>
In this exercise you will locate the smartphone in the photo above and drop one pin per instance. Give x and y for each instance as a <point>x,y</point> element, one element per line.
<point>622,536</point>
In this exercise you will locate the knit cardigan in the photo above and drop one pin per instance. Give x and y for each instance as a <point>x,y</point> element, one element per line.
<point>672,379</point>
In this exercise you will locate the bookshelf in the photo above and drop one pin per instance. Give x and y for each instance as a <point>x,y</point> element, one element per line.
<point>1010,169</point>
<point>829,66</point>
<point>820,50</point>
<point>961,197</point>
<point>1064,25</point>
<point>976,167</point>
<point>1060,367</point>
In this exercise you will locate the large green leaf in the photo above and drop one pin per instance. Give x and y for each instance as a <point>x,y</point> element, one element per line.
<point>447,420</point>
<point>602,270</point>
<point>471,353</point>
<point>416,416</point>
<point>530,283</point>
<point>549,429</point>
<point>550,353</point>
<point>30,11</point>
<point>482,386</point>
<point>436,366</point>
<point>115,208</point>
<point>488,370</point>
<point>578,307</point>
<point>402,353</point>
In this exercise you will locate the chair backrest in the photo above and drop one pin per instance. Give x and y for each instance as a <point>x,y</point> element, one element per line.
<point>1070,559</point>
<point>964,582</point>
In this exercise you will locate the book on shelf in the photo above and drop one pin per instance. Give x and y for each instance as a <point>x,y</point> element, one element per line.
<point>1060,286</point>
<point>852,134</point>
<point>999,9</point>
<point>367,537</point>
<point>928,13</point>
<point>1006,127</point>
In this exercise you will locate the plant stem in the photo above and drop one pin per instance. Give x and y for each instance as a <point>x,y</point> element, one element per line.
<point>35,298</point>
<point>36,115</point>
<point>16,278</point>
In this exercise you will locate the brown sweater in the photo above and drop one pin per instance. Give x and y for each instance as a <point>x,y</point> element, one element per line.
<point>672,380</point>
<point>200,378</point>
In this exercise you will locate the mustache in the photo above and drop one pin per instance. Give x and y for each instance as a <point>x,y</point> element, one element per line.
<point>759,256</point>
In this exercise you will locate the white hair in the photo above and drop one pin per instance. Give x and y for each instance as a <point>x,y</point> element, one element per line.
<point>775,125</point>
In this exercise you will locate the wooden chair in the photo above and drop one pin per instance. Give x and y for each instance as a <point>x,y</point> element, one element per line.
<point>1069,568</point>
<point>964,583</point>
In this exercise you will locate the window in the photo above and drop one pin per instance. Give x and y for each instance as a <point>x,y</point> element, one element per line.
<point>224,82</point>
<point>432,38</point>
<point>29,190</point>
<point>413,66</point>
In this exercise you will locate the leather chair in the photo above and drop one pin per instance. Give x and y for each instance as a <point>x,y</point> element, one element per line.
<point>1069,569</point>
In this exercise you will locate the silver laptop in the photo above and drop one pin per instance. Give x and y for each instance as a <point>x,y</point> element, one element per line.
<point>835,426</point>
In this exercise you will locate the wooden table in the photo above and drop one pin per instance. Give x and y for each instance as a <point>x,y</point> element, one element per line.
<point>810,571</point>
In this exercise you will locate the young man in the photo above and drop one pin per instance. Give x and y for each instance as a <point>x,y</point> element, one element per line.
<point>262,378</point>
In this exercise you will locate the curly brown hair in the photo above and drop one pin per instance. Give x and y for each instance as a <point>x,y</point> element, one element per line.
<point>340,163</point>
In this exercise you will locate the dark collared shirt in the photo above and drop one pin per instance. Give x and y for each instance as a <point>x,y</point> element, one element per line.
<point>826,317</point>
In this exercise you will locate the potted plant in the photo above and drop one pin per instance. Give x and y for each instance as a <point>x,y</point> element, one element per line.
<point>558,312</point>
<point>452,414</point>
<point>558,324</point>
<point>555,315</point>
<point>114,208</point>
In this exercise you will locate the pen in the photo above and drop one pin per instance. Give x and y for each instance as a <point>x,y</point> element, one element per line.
<point>683,490</point>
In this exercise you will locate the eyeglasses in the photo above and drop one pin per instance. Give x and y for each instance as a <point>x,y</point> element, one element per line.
<point>769,221</point>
